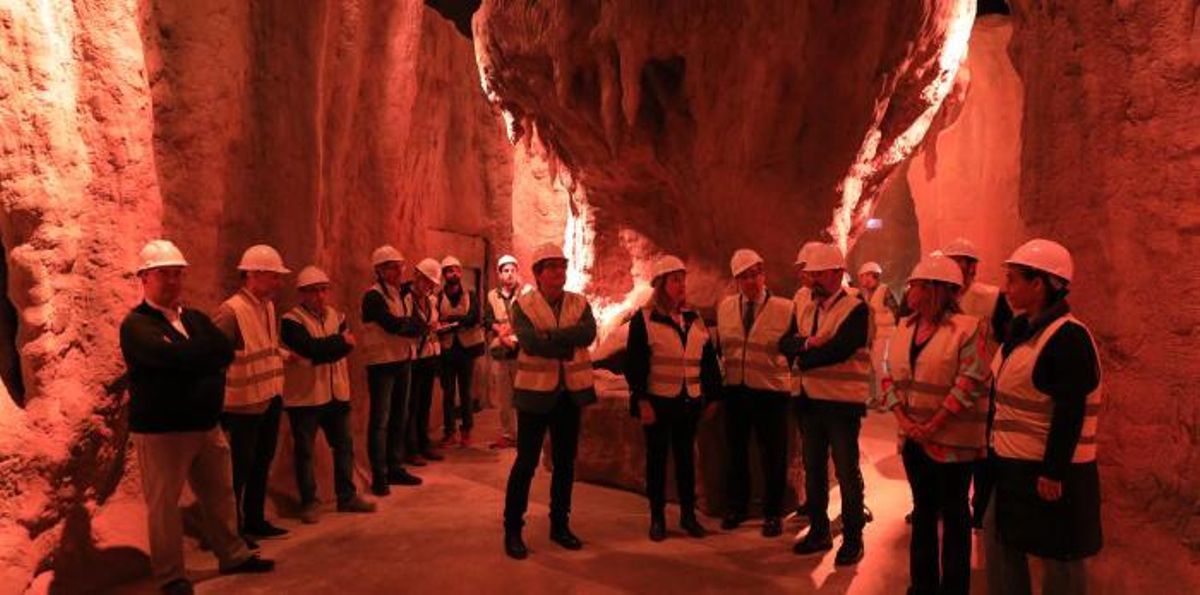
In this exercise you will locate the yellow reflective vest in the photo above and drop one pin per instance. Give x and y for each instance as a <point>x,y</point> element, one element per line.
<point>1023,413</point>
<point>754,360</point>
<point>882,319</point>
<point>848,381</point>
<point>256,374</point>
<point>540,374</point>
<point>428,345</point>
<point>467,337</point>
<point>380,346</point>
<point>979,300</point>
<point>674,365</point>
<point>307,384</point>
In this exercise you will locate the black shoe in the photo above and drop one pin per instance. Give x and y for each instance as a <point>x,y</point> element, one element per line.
<point>251,565</point>
<point>250,543</point>
<point>401,477</point>
<point>265,530</point>
<point>692,527</point>
<point>772,527</point>
<point>430,455</point>
<point>850,552</point>
<point>564,537</point>
<point>379,487</point>
<point>658,530</point>
<point>179,586</point>
<point>514,546</point>
<point>731,521</point>
<point>813,543</point>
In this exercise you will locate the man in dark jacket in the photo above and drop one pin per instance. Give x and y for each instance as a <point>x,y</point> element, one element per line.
<point>176,359</point>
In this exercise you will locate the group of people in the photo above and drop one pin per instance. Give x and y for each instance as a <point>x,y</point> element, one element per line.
<point>207,394</point>
<point>999,389</point>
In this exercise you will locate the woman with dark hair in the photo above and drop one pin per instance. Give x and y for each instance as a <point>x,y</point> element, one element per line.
<point>933,383</point>
<point>673,375</point>
<point>1043,435</point>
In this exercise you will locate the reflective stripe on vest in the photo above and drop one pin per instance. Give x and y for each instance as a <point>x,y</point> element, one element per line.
<point>380,346</point>
<point>1023,413</point>
<point>979,300</point>
<point>306,384</point>
<point>256,373</point>
<point>674,365</point>
<point>542,374</point>
<point>848,381</point>
<point>467,337</point>
<point>755,361</point>
<point>922,391</point>
<point>499,313</point>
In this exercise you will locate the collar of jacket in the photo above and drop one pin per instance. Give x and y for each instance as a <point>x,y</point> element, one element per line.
<point>1024,328</point>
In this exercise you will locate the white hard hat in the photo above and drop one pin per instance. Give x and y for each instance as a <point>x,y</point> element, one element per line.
<point>937,253</point>
<point>160,253</point>
<point>938,268</point>
<point>385,254</point>
<point>1046,256</point>
<point>666,264</point>
<point>548,251</point>
<point>311,275</point>
<point>742,260</point>
<point>506,259</point>
<point>961,247</point>
<point>431,269</point>
<point>262,257</point>
<point>870,267</point>
<point>825,257</point>
<point>802,255</point>
<point>451,261</point>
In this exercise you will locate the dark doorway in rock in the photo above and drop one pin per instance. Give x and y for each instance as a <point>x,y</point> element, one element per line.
<point>10,355</point>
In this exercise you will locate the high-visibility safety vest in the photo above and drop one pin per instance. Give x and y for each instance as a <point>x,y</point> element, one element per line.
<point>428,345</point>
<point>467,337</point>
<point>848,381</point>
<point>500,311</point>
<point>754,360</point>
<point>979,300</point>
<point>543,374</point>
<point>923,390</point>
<point>306,384</point>
<point>674,365</point>
<point>800,301</point>
<point>256,373</point>
<point>882,318</point>
<point>1023,412</point>
<point>380,346</point>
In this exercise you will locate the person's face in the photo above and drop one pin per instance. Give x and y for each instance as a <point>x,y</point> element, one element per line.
<point>263,284</point>
<point>164,285</point>
<point>805,278</point>
<point>315,297</point>
<point>392,273</point>
<point>1022,293</point>
<point>675,287</point>
<point>452,275</point>
<point>552,275</point>
<point>918,296</point>
<point>868,281</point>
<point>508,275</point>
<point>826,283</point>
<point>423,285</point>
<point>967,266</point>
<point>752,281</point>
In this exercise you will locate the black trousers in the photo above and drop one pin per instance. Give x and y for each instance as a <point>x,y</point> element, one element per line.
<point>766,415</point>
<point>563,425</point>
<point>387,422</point>
<point>420,403</point>
<point>939,491</point>
<point>252,441</point>
<point>983,478</point>
<point>458,370</point>
<point>332,418</point>
<point>836,431</point>
<point>674,429</point>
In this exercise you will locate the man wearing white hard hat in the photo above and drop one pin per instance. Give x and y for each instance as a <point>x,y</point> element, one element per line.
<point>1047,387</point>
<point>462,345</point>
<point>254,383</point>
<point>503,347</point>
<point>987,303</point>
<point>934,385</point>
<point>800,301</point>
<point>750,327</point>
<point>836,367</point>
<point>390,334</point>
<point>422,295</point>
<point>176,359</point>
<point>554,382</point>
<point>316,392</point>
<point>884,309</point>
<point>673,375</point>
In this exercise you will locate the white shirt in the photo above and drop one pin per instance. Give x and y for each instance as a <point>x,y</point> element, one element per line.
<point>173,315</point>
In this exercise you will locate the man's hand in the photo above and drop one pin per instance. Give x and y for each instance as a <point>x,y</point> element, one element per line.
<point>1048,489</point>
<point>646,413</point>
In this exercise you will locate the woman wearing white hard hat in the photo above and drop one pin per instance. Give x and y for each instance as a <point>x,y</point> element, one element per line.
<point>1047,392</point>
<point>422,295</point>
<point>673,374</point>
<point>934,385</point>
<point>390,334</point>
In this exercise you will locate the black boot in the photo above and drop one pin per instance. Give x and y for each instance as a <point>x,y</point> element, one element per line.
<point>812,543</point>
<point>691,526</point>
<point>514,546</point>
<point>561,534</point>
<point>851,551</point>
<point>772,527</point>
<point>658,529</point>
<point>732,520</point>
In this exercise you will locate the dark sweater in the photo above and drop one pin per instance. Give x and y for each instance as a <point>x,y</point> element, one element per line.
<point>559,344</point>
<point>637,359</point>
<point>318,350</point>
<point>176,383</point>
<point>467,321</point>
<point>375,309</point>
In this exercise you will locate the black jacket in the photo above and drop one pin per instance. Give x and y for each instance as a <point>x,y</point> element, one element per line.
<point>176,383</point>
